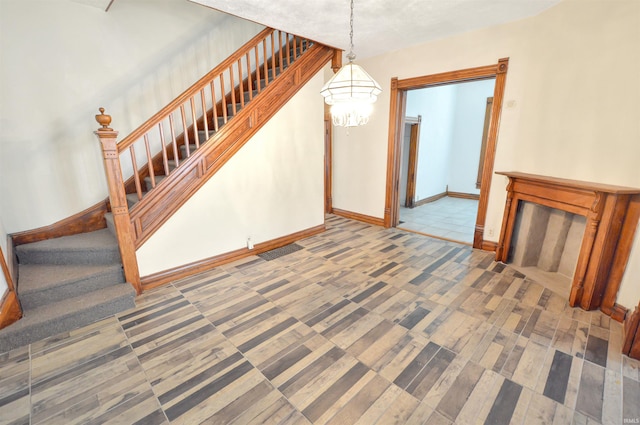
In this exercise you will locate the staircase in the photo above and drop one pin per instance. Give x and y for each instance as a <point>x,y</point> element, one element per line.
<point>70,281</point>
<point>65,283</point>
<point>175,152</point>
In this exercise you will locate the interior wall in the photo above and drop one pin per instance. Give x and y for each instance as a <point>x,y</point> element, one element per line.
<point>437,106</point>
<point>253,195</point>
<point>570,108</point>
<point>61,60</point>
<point>466,138</point>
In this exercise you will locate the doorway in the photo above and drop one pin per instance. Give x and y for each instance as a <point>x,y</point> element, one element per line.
<point>446,159</point>
<point>398,110</point>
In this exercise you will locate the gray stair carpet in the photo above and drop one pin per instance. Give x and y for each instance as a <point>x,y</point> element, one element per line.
<point>66,283</point>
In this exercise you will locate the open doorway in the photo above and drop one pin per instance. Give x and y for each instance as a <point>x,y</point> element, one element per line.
<point>442,158</point>
<point>398,112</point>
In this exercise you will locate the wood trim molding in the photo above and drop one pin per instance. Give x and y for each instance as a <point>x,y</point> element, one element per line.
<point>430,199</point>
<point>483,143</point>
<point>489,246</point>
<point>464,195</point>
<point>490,153</point>
<point>397,105</point>
<point>328,163</point>
<point>618,312</point>
<point>180,272</point>
<point>621,259</point>
<point>12,265</point>
<point>85,221</point>
<point>359,217</point>
<point>412,166</point>
<point>444,195</point>
<point>10,310</point>
<point>443,78</point>
<point>631,343</point>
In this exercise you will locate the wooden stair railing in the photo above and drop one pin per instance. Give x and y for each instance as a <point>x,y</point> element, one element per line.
<point>188,141</point>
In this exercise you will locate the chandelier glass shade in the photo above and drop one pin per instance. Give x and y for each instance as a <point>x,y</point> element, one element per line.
<point>351,92</point>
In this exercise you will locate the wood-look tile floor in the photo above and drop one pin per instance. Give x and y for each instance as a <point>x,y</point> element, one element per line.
<point>364,325</point>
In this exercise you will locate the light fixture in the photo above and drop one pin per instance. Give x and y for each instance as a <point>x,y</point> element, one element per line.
<point>351,92</point>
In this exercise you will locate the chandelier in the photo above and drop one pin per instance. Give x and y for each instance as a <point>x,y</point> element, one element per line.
<point>351,92</point>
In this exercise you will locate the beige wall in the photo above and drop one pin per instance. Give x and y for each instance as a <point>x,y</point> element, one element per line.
<point>272,187</point>
<point>61,60</point>
<point>571,105</point>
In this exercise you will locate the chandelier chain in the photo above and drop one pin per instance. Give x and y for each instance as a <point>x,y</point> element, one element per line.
<point>351,56</point>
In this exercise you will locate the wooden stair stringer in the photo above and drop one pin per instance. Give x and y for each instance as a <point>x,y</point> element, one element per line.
<point>148,215</point>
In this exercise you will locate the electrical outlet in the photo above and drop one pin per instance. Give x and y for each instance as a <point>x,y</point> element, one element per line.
<point>490,232</point>
<point>249,243</point>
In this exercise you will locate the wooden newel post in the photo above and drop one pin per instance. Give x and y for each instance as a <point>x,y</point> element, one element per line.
<point>118,199</point>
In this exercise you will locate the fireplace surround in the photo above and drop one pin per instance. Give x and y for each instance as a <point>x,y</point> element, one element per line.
<point>611,216</point>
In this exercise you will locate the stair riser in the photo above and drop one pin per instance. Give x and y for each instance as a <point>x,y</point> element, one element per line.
<point>71,289</point>
<point>62,257</point>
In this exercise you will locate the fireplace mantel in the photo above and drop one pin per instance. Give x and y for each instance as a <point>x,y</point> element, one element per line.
<point>611,213</point>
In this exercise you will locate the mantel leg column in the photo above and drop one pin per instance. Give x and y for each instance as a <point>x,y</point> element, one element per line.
<point>577,286</point>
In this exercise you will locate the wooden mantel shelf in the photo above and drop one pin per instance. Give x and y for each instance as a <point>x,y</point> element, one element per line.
<point>568,183</point>
<point>611,213</point>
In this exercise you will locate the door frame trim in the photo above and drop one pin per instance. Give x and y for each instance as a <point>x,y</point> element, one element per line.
<point>398,97</point>
<point>412,167</point>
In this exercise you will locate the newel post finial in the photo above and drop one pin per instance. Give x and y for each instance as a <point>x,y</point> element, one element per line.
<point>104,120</point>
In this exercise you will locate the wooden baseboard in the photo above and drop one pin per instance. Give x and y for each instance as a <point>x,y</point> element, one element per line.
<point>464,195</point>
<point>444,195</point>
<point>489,246</point>
<point>167,276</point>
<point>631,343</point>
<point>618,313</point>
<point>429,199</point>
<point>359,217</point>
<point>85,221</point>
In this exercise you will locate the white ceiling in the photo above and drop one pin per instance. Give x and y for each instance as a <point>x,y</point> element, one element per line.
<point>379,25</point>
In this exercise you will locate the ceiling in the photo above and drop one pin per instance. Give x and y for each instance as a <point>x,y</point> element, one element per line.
<point>379,25</point>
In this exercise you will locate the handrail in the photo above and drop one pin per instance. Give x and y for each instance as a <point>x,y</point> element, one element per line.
<point>195,87</point>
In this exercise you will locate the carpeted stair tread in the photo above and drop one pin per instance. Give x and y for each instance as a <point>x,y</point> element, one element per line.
<point>132,198</point>
<point>41,284</point>
<point>63,316</point>
<point>98,247</point>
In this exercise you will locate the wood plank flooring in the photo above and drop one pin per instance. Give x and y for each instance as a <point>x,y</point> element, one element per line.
<point>363,325</point>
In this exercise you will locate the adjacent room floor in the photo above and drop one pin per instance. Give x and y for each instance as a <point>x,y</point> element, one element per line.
<point>449,218</point>
<point>359,325</point>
